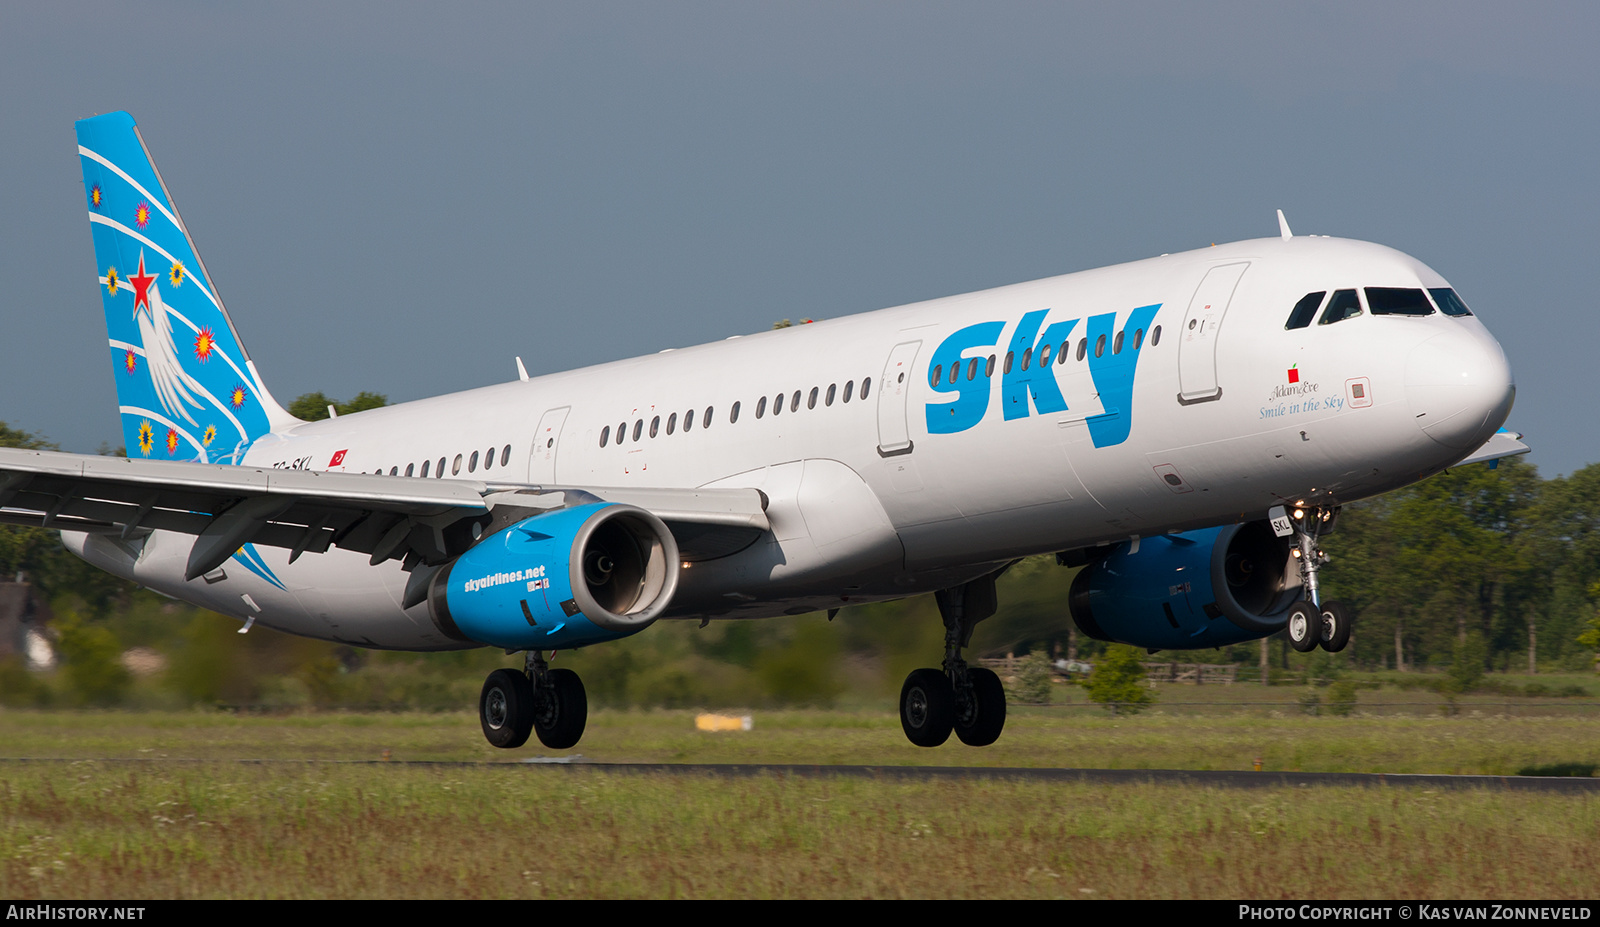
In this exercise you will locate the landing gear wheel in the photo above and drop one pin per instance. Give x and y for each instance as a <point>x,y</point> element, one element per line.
<point>927,707</point>
<point>561,710</point>
<point>1335,626</point>
<point>1305,626</point>
<point>505,706</point>
<point>979,723</point>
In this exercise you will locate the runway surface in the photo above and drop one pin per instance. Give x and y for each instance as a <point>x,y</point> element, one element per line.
<point>1232,779</point>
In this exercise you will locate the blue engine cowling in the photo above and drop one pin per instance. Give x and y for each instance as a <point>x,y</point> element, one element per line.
<point>566,578</point>
<point>1205,588</point>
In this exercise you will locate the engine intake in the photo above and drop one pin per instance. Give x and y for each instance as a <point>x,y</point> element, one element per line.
<point>1171,593</point>
<point>561,579</point>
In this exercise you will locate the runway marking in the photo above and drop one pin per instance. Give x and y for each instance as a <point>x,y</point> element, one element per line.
<point>1216,778</point>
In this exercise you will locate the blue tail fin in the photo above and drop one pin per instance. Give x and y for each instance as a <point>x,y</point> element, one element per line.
<point>185,385</point>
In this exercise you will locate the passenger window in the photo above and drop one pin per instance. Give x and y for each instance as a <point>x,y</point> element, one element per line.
<point>1027,356</point>
<point>1138,338</point>
<point>794,404</point>
<point>1083,348</point>
<point>1394,300</point>
<point>849,387</point>
<point>394,471</point>
<point>688,420</point>
<point>1061,358</point>
<point>438,472</point>
<point>672,423</point>
<point>988,368</point>
<point>472,464</point>
<point>638,429</point>
<point>972,369</point>
<point>833,388</point>
<point>505,455</point>
<point>761,407</point>
<point>1155,336</point>
<point>1116,346</point>
<point>955,371</point>
<point>1343,305</point>
<point>411,469</point>
<point>455,468</point>
<point>777,404</point>
<point>1044,356</point>
<point>733,416</point>
<point>1100,346</point>
<point>1305,310</point>
<point>1010,356</point>
<point>1449,302</point>
<point>622,432</point>
<point>938,374</point>
<point>866,387</point>
<point>425,468</point>
<point>488,458</point>
<point>811,400</point>
<point>655,426</point>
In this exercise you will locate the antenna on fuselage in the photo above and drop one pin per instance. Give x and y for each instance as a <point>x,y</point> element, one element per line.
<point>522,372</point>
<point>1283,227</point>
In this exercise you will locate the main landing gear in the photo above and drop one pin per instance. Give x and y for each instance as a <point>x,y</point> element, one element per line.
<point>537,699</point>
<point>968,700</point>
<point>1313,622</point>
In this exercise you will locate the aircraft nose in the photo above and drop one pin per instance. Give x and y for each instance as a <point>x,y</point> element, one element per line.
<point>1458,384</point>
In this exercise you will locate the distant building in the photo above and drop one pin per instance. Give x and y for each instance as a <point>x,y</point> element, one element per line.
<point>24,623</point>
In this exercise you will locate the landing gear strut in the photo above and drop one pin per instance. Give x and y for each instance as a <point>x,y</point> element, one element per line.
<point>538,699</point>
<point>1312,621</point>
<point>967,700</point>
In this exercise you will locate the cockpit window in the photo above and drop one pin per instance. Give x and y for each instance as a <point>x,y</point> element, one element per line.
<point>1343,305</point>
<point>1305,310</point>
<point>1449,302</point>
<point>1395,300</point>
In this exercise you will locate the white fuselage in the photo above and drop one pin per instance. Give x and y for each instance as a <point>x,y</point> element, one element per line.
<point>885,496</point>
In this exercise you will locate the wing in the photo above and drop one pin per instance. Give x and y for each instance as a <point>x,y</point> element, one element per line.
<point>418,521</point>
<point>1503,443</point>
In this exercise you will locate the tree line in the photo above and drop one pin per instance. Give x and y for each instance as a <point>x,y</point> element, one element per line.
<point>1494,568</point>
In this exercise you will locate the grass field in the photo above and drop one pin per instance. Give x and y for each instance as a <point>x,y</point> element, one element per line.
<point>193,822</point>
<point>208,830</point>
<point>1471,742</point>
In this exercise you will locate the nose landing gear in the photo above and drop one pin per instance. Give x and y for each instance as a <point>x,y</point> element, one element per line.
<point>1312,622</point>
<point>967,700</point>
<point>549,702</point>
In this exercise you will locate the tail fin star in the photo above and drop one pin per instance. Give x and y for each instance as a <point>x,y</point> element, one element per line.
<point>197,396</point>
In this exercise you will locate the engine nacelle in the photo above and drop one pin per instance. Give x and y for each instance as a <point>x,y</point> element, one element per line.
<point>562,579</point>
<point>1205,588</point>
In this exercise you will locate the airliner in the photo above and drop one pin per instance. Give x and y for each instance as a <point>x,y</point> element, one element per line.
<point>1184,429</point>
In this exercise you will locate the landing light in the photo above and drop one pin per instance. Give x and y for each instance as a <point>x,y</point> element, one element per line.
<point>1299,514</point>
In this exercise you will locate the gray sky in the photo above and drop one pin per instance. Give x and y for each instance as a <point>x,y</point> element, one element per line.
<point>401,197</point>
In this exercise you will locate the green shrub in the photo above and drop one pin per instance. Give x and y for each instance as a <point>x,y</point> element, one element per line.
<point>92,658</point>
<point>1342,697</point>
<point>1033,680</point>
<point>1466,664</point>
<point>1117,681</point>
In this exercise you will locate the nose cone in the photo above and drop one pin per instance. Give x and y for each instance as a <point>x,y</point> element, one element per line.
<point>1459,387</point>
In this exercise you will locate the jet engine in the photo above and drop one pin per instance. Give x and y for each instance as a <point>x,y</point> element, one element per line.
<point>1205,588</point>
<point>565,578</point>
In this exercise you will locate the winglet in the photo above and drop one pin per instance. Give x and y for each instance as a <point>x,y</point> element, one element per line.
<point>1283,227</point>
